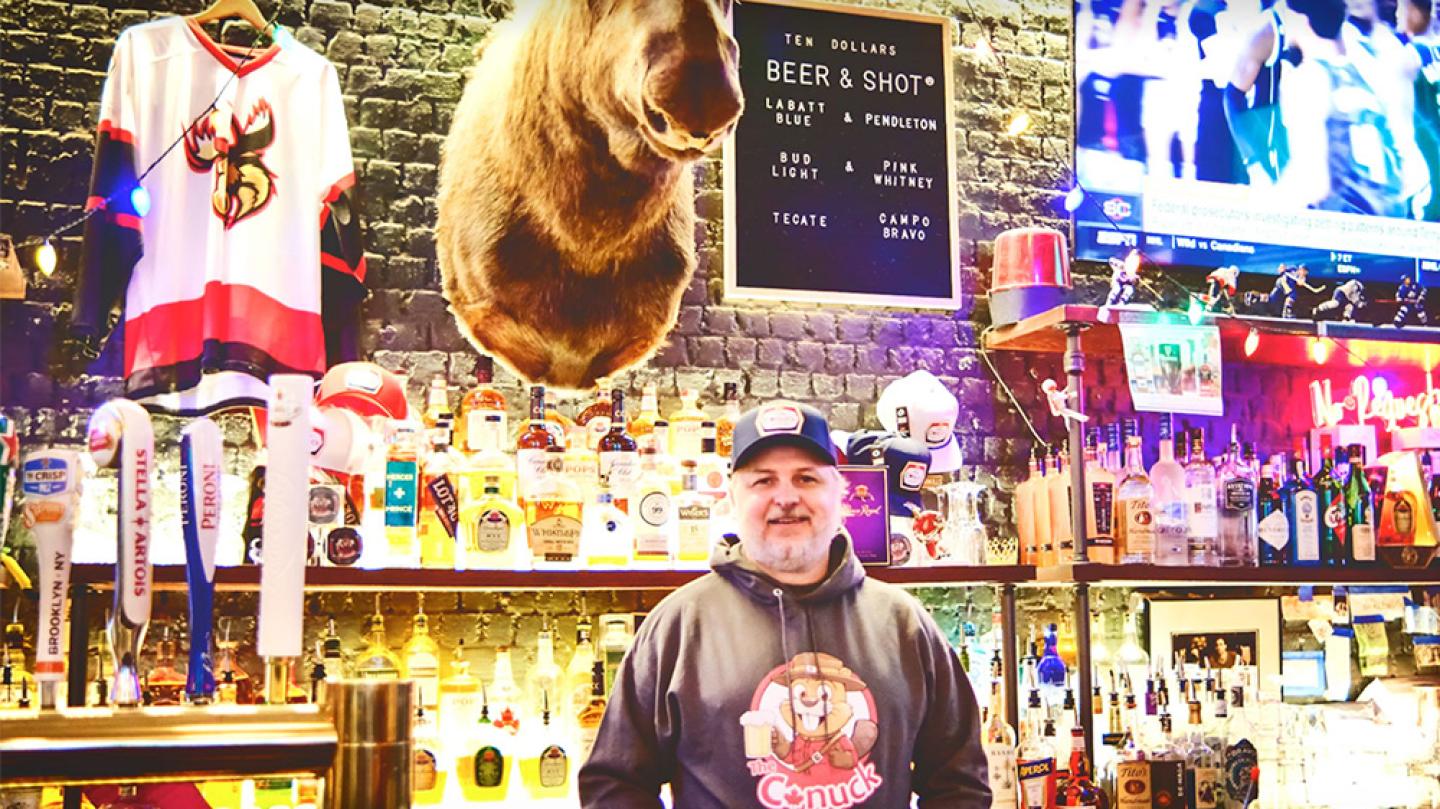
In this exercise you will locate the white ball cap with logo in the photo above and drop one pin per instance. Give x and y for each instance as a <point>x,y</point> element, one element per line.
<point>920,406</point>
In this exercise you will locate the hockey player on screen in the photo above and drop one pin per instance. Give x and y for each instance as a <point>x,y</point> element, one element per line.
<point>1349,295</point>
<point>1286,291</point>
<point>1411,298</point>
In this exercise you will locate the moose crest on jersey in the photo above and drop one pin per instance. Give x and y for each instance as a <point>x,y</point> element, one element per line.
<point>233,151</point>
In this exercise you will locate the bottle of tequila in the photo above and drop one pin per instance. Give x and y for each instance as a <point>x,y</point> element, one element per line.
<point>685,426</point>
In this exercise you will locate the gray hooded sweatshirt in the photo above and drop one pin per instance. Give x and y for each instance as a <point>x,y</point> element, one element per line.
<point>742,692</point>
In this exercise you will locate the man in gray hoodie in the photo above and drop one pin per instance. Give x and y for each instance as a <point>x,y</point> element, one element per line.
<point>786,678</point>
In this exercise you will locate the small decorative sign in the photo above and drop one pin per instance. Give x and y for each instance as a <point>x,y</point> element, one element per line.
<point>1173,368</point>
<point>867,512</point>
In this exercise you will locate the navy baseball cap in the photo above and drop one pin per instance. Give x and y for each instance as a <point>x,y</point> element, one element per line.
<point>906,460</point>
<point>781,423</point>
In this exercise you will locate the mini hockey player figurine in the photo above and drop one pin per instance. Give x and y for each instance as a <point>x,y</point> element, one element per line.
<point>1350,295</point>
<point>1059,400</point>
<point>1287,290</point>
<point>1220,289</point>
<point>1411,298</point>
<point>1124,274</point>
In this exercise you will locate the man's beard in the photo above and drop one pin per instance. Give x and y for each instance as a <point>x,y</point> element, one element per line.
<point>790,557</point>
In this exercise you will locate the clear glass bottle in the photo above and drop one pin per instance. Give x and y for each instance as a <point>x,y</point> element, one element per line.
<point>1000,752</point>
<point>492,532</point>
<point>376,661</point>
<point>544,760</point>
<point>428,773</point>
<point>422,657</point>
<point>1241,760</point>
<point>543,681</point>
<point>1131,658</point>
<point>606,538</point>
<point>685,426</point>
<point>1200,494</point>
<point>489,458</point>
<point>1134,523</point>
<point>587,719</point>
<point>1239,525</point>
<point>1205,787</point>
<point>486,758</point>
<point>439,511</point>
<point>614,642</point>
<point>459,707</point>
<point>578,670</point>
<point>1168,504</point>
<point>654,510</point>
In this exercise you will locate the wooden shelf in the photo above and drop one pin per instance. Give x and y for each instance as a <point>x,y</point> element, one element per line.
<point>333,579</point>
<point>1134,575</point>
<point>1282,342</point>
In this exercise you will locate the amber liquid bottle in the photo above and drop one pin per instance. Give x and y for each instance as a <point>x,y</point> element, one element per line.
<point>479,402</point>
<point>532,444</point>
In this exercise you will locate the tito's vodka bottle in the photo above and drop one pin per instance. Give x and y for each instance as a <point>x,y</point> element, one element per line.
<point>1132,509</point>
<point>1168,504</point>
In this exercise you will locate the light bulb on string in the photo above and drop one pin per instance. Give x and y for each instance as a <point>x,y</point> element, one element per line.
<point>1252,341</point>
<point>45,258</point>
<point>1196,311</point>
<point>1319,350</point>
<point>140,200</point>
<point>983,51</point>
<point>1019,123</point>
<point>1074,198</point>
<point>1132,263</point>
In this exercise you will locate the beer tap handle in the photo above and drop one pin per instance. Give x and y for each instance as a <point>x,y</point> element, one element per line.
<point>202,456</point>
<point>51,483</point>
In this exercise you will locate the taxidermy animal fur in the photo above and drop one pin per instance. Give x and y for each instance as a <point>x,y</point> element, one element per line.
<point>566,218</point>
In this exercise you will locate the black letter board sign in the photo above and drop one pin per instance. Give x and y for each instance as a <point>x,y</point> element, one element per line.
<point>839,180</point>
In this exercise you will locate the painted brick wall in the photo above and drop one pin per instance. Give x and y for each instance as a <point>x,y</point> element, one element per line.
<point>402,70</point>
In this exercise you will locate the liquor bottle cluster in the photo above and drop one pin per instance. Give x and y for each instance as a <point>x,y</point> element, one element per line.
<point>605,489</point>
<point>1231,511</point>
<point>1180,737</point>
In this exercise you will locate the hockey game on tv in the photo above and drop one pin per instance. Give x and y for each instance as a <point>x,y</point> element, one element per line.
<point>1260,134</point>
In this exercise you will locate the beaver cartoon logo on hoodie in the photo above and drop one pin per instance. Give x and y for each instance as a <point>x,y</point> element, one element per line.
<point>808,735</point>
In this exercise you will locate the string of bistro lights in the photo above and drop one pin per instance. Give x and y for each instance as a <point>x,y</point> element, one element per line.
<point>45,255</point>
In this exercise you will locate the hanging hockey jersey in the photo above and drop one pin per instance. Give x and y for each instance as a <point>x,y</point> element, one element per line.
<point>249,261</point>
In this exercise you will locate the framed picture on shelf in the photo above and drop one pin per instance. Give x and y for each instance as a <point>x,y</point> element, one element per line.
<point>1221,633</point>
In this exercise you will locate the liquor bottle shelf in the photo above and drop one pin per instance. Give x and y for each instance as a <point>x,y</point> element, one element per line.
<point>1137,575</point>
<point>332,579</point>
<point>1283,342</point>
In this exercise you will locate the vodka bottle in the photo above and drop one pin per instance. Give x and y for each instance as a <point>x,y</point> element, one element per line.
<point>1168,503</point>
<point>1238,524</point>
<point>1200,493</point>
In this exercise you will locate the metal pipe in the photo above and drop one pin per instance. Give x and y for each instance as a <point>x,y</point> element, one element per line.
<point>147,745</point>
<point>1075,375</point>
<point>1082,663</point>
<point>1010,626</point>
<point>374,760</point>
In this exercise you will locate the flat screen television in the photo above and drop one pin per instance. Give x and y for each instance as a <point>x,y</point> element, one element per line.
<point>1258,133</point>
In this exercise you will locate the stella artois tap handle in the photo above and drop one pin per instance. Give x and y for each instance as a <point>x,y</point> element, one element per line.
<point>201,460</point>
<point>285,530</point>
<point>51,483</point>
<point>120,435</point>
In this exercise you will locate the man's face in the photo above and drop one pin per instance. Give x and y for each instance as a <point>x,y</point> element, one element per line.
<point>787,507</point>
<point>1221,646</point>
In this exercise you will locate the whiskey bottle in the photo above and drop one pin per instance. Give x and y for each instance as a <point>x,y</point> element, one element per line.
<point>544,760</point>
<point>619,461</point>
<point>1302,505</point>
<point>594,420</point>
<point>1359,510</point>
<point>1133,519</point>
<point>712,472</point>
<point>437,403</point>
<point>554,516</point>
<point>422,657</point>
<point>587,720</point>
<point>428,773</point>
<point>559,424</point>
<point>1099,504</point>
<point>725,424</point>
<point>1200,493</point>
<point>644,422</point>
<point>166,684</point>
<point>1168,505</point>
<point>1238,523</point>
<point>578,671</point>
<point>692,521</point>
<point>532,444</point>
<point>484,764</point>
<point>490,459</point>
<point>492,532</point>
<point>481,402</point>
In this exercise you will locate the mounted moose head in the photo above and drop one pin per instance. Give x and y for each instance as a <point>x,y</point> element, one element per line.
<point>566,230</point>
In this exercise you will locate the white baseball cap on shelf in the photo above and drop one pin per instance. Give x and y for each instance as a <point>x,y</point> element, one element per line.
<point>920,406</point>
